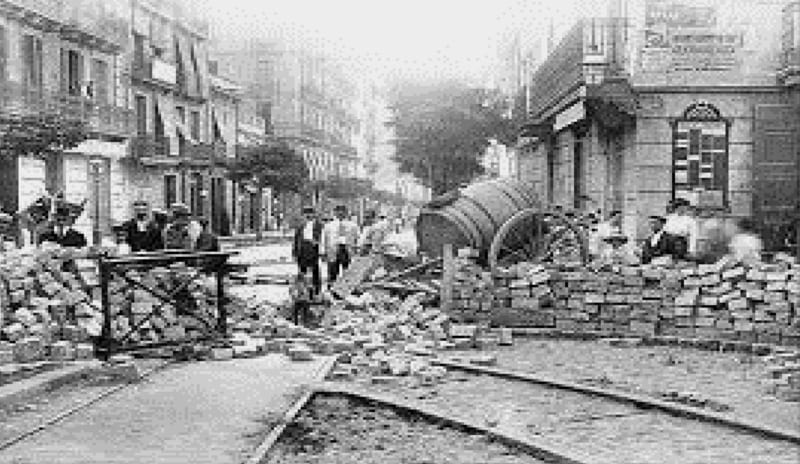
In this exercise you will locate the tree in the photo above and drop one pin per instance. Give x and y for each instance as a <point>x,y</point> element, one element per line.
<point>40,135</point>
<point>276,165</point>
<point>443,129</point>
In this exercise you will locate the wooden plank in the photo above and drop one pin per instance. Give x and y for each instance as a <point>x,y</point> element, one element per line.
<point>448,276</point>
<point>359,269</point>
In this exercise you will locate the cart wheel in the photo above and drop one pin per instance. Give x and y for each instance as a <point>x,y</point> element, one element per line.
<point>532,235</point>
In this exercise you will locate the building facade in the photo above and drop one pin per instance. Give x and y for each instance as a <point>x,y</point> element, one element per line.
<point>667,99</point>
<point>305,98</point>
<point>183,136</point>
<point>65,57</point>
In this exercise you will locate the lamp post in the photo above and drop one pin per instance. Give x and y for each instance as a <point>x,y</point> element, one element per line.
<point>96,169</point>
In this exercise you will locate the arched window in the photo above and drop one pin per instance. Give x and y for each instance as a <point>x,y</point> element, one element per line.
<point>700,157</point>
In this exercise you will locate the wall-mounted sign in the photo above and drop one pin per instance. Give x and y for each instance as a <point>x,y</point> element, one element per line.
<point>569,115</point>
<point>165,72</point>
<point>680,36</point>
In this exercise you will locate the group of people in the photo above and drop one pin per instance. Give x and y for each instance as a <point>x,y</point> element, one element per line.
<point>335,241</point>
<point>675,235</point>
<point>159,230</point>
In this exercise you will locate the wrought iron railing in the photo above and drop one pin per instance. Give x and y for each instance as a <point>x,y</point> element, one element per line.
<point>100,118</point>
<point>143,147</point>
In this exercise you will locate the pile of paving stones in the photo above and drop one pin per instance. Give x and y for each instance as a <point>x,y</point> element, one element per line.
<point>380,338</point>
<point>725,300</point>
<point>144,317</point>
<point>46,308</point>
<point>784,370</point>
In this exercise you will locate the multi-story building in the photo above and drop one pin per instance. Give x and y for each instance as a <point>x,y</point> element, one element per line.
<point>666,99</point>
<point>305,98</point>
<point>185,119</point>
<point>64,57</point>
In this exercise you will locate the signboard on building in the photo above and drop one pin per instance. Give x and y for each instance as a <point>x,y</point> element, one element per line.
<point>569,115</point>
<point>681,36</point>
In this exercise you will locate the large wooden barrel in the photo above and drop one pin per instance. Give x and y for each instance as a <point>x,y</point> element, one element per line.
<point>472,216</point>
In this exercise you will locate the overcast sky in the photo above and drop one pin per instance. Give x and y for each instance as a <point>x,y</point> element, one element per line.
<point>416,38</point>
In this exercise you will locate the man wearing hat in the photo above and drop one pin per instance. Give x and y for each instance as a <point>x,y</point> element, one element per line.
<point>339,240</point>
<point>307,246</point>
<point>660,243</point>
<point>141,233</point>
<point>62,231</point>
<point>176,233</point>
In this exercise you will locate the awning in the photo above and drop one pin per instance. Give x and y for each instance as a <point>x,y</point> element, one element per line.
<point>188,67</point>
<point>613,101</point>
<point>217,131</point>
<point>167,113</point>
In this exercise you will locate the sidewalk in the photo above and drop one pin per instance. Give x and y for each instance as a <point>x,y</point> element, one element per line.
<point>209,412</point>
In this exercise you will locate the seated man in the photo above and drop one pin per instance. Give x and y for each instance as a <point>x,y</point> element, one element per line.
<point>660,243</point>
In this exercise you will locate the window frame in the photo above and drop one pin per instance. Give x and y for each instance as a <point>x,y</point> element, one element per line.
<point>703,112</point>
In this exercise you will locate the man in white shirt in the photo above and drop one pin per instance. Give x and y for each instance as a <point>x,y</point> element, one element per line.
<point>339,240</point>
<point>683,226</point>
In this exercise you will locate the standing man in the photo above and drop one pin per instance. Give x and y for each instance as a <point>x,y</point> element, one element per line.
<point>339,239</point>
<point>307,245</point>
<point>660,243</point>
<point>141,233</point>
<point>176,234</point>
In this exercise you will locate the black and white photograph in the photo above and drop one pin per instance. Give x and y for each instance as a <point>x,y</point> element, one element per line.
<point>400,232</point>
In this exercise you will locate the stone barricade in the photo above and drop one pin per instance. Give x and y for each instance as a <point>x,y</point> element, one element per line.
<point>724,301</point>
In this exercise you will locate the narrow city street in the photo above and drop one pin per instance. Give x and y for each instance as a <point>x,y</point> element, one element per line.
<point>418,232</point>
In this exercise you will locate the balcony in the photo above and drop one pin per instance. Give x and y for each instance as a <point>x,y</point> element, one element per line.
<point>155,71</point>
<point>789,74</point>
<point>208,153</point>
<point>150,149</point>
<point>106,120</point>
<point>591,53</point>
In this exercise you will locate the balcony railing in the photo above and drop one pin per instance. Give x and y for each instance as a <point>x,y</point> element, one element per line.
<point>592,50</point>
<point>100,118</point>
<point>149,147</point>
<point>154,70</point>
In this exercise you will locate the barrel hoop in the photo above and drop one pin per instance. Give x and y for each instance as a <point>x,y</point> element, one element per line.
<point>482,209</point>
<point>507,195</point>
<point>527,197</point>
<point>460,218</point>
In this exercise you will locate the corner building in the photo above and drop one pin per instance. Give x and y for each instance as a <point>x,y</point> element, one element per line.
<point>665,99</point>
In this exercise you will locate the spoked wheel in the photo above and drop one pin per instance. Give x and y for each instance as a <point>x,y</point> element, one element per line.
<point>537,236</point>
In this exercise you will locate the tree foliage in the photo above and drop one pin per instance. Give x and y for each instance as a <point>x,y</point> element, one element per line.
<point>276,165</point>
<point>443,129</point>
<point>40,135</point>
<point>343,188</point>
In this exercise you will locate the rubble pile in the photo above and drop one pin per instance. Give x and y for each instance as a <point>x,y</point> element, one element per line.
<point>148,319</point>
<point>380,338</point>
<point>725,300</point>
<point>46,309</point>
<point>784,371</point>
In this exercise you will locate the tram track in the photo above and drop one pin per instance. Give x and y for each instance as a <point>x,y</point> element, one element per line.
<point>562,422</point>
<point>62,415</point>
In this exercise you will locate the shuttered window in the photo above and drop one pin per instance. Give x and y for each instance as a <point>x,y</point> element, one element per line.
<point>31,62</point>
